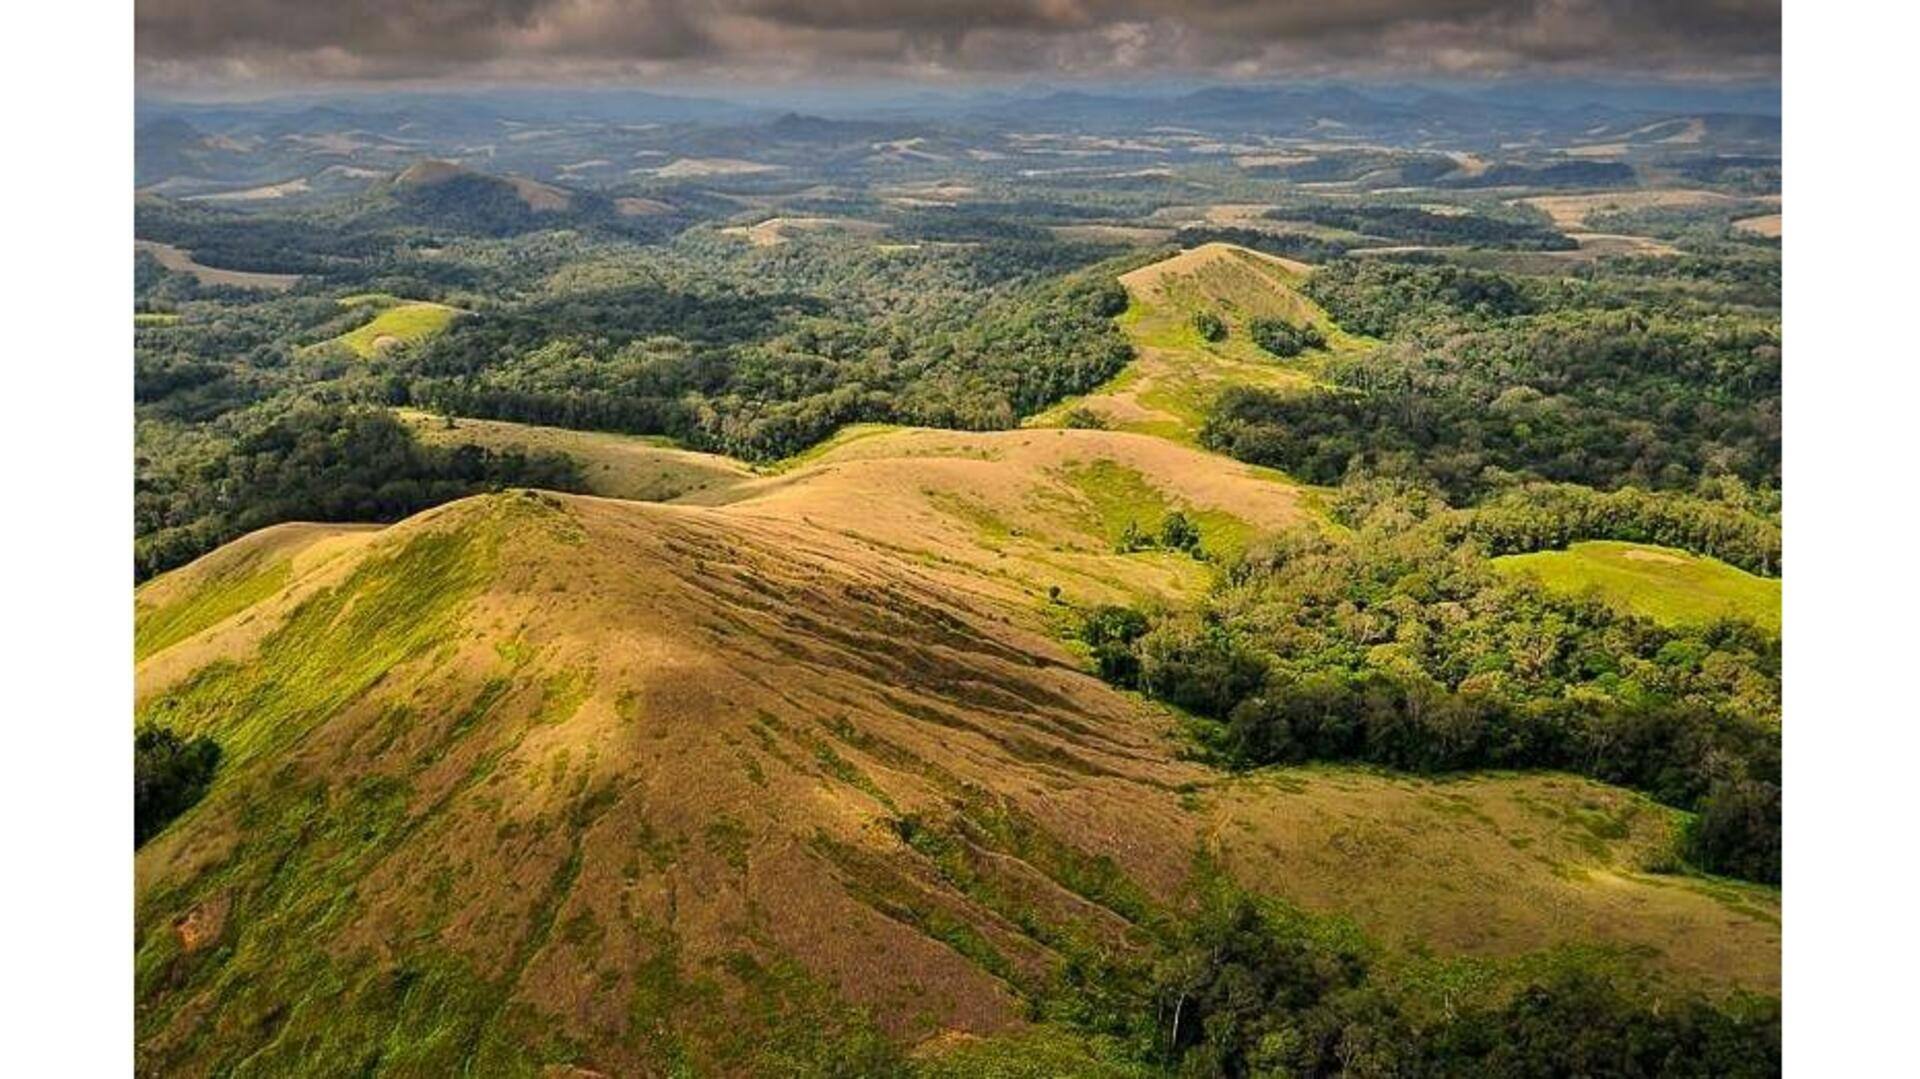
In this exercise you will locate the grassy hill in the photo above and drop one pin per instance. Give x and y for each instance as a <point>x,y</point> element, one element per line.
<point>1662,583</point>
<point>614,466</point>
<point>532,781</point>
<point>1166,391</point>
<point>398,322</point>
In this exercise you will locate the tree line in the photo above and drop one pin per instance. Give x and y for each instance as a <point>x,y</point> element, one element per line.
<point>1241,987</point>
<point>319,463</point>
<point>1402,647</point>
<point>774,396</point>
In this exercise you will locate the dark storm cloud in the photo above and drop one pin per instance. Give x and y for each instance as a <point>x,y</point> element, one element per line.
<point>304,40</point>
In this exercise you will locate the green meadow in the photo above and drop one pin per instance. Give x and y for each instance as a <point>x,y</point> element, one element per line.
<point>399,322</point>
<point>1662,583</point>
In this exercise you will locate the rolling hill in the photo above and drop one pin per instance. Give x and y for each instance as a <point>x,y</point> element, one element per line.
<point>1167,389</point>
<point>453,195</point>
<point>775,777</point>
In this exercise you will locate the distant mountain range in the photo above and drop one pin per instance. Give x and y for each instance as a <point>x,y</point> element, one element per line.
<point>306,146</point>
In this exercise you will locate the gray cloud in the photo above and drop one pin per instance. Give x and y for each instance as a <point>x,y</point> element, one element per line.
<point>183,41</point>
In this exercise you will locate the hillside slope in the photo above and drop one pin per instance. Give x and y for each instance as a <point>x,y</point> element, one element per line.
<point>1166,391</point>
<point>536,780</point>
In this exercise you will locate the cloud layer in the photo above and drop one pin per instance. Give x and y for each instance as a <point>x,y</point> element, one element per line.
<point>300,41</point>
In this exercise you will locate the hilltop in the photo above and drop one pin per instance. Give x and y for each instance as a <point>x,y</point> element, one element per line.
<point>1166,391</point>
<point>450,194</point>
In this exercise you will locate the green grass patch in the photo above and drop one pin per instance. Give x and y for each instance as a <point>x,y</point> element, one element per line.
<point>338,644</point>
<point>154,318</point>
<point>232,591</point>
<point>1661,583</point>
<point>398,323</point>
<point>1179,373</point>
<point>845,436</point>
<point>1121,496</point>
<point>990,526</point>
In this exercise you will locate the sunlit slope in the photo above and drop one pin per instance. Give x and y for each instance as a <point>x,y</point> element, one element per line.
<point>535,767</point>
<point>399,322</point>
<point>1021,512</point>
<point>1662,583</point>
<point>612,465</point>
<point>532,779</point>
<point>1167,389</point>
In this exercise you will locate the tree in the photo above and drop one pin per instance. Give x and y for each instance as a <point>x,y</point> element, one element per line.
<point>1209,326</point>
<point>1177,533</point>
<point>1283,338</point>
<point>170,775</point>
<point>1738,831</point>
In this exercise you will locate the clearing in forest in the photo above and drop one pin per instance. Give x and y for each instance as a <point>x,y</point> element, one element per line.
<point>1570,212</point>
<point>1177,372</point>
<point>400,322</point>
<point>181,261</point>
<point>778,230</point>
<point>1662,583</point>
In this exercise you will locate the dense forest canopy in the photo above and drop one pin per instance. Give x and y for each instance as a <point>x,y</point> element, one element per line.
<point>1492,381</point>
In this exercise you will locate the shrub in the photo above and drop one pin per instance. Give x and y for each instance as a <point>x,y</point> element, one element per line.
<point>170,774</point>
<point>1177,533</point>
<point>1283,338</point>
<point>1738,831</point>
<point>1086,419</point>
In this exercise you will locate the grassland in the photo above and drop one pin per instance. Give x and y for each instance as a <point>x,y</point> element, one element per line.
<point>1661,583</point>
<point>236,587</point>
<point>1122,498</point>
<point>173,258</point>
<point>1570,212</point>
<point>399,322</point>
<point>614,466</point>
<point>778,230</point>
<point>792,768</point>
<point>535,782</point>
<point>1026,512</point>
<point>1168,388</point>
<point>154,318</point>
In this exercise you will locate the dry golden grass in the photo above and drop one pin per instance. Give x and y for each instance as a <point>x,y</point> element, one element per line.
<point>1763,225</point>
<point>613,465</point>
<point>634,206</point>
<point>1594,244</point>
<point>777,230</point>
<point>693,167</point>
<point>620,746</point>
<point>1571,211</point>
<point>1018,512</point>
<point>539,196</point>
<point>173,258</point>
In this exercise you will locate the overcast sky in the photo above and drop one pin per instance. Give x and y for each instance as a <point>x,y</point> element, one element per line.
<point>240,43</point>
